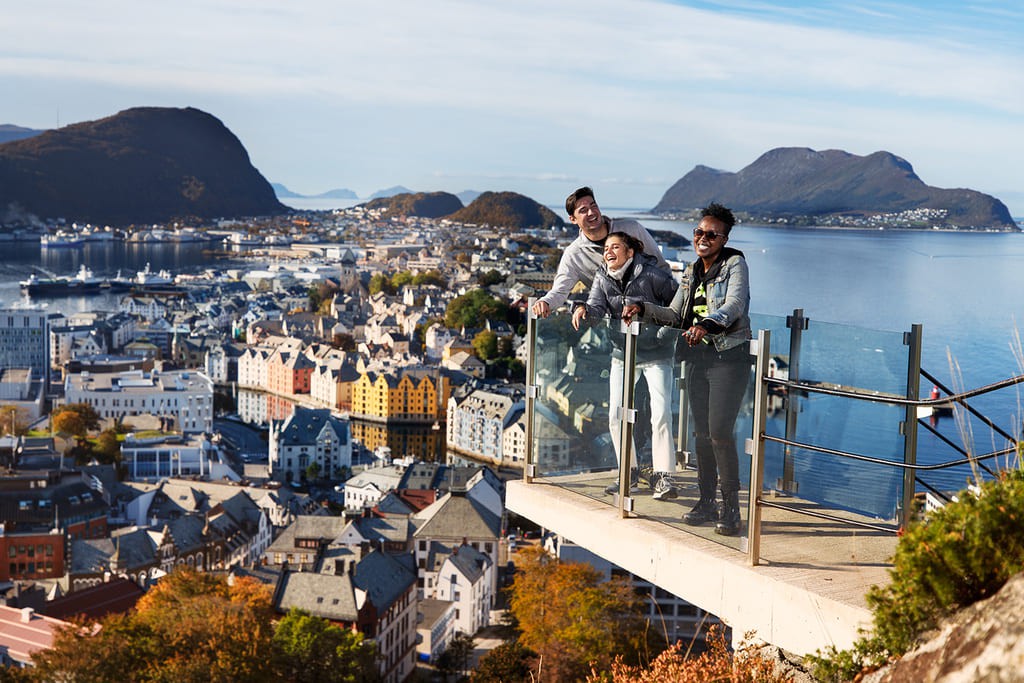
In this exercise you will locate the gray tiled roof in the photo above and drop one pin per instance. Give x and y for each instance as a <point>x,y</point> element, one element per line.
<point>329,596</point>
<point>384,578</point>
<point>470,562</point>
<point>455,517</point>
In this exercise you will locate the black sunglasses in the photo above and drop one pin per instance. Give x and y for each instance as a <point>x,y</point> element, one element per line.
<point>698,233</point>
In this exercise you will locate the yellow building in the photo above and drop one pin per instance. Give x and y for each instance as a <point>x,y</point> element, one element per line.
<point>413,395</point>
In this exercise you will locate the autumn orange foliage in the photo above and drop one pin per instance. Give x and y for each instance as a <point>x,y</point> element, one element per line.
<point>717,663</point>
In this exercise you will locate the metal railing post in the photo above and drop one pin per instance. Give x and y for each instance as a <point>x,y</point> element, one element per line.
<point>530,465</point>
<point>627,417</point>
<point>909,427</point>
<point>683,455</point>
<point>755,447</point>
<point>796,323</point>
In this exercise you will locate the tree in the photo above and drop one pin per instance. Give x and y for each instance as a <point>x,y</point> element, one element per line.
<point>107,448</point>
<point>473,308</point>
<point>485,343</point>
<point>344,341</point>
<point>312,650</point>
<point>189,627</point>
<point>380,282</point>
<point>313,471</point>
<point>490,277</point>
<point>508,663</point>
<point>572,619</point>
<point>75,419</point>
<point>455,658</point>
<point>401,279</point>
<point>321,296</point>
<point>430,277</point>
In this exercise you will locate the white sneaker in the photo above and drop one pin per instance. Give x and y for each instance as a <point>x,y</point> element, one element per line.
<point>664,489</point>
<point>634,485</point>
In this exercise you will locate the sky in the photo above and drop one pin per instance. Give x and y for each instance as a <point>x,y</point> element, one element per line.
<point>540,97</point>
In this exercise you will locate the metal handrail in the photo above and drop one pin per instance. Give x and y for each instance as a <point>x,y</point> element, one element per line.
<point>894,399</point>
<point>881,461</point>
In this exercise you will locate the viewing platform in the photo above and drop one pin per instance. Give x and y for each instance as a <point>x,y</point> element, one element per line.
<point>827,437</point>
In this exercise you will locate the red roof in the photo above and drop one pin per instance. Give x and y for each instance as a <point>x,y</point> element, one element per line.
<point>115,596</point>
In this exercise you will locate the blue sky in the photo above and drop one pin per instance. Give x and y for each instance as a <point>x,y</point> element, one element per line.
<point>538,96</point>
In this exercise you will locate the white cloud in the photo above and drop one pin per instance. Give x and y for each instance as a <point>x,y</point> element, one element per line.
<point>535,91</point>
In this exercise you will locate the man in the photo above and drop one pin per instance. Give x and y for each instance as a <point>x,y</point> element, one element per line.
<point>585,254</point>
<point>579,263</point>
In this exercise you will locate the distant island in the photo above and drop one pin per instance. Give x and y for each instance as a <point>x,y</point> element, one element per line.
<point>283,192</point>
<point>143,165</point>
<point>800,186</point>
<point>498,209</point>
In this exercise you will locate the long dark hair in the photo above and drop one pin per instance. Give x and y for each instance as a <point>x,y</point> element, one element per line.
<point>633,243</point>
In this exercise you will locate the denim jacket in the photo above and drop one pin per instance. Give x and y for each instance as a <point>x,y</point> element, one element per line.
<point>728,295</point>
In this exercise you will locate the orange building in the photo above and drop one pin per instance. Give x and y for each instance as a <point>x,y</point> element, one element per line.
<point>289,372</point>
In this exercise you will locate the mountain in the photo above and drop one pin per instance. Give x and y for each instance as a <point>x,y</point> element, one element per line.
<point>467,196</point>
<point>423,204</point>
<point>390,192</point>
<point>799,182</point>
<point>507,210</point>
<point>282,192</point>
<point>143,165</point>
<point>9,132</point>
<point>337,193</point>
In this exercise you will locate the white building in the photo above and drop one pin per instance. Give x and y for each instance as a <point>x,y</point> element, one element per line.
<point>466,578</point>
<point>173,456</point>
<point>25,340</point>
<point>309,437</point>
<point>477,425</point>
<point>252,367</point>
<point>185,396</point>
<point>366,488</point>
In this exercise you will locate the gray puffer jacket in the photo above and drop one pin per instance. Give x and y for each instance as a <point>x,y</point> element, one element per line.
<point>644,283</point>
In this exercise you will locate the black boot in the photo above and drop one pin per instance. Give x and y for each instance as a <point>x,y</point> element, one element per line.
<point>703,511</point>
<point>729,522</point>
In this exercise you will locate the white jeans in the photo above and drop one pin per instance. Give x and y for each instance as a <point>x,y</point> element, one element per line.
<point>659,386</point>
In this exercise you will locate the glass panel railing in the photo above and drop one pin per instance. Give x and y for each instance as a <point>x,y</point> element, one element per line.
<point>870,363</point>
<point>571,439</point>
<point>713,418</point>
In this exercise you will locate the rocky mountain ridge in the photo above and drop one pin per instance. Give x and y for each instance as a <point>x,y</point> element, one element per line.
<point>142,165</point>
<point>791,185</point>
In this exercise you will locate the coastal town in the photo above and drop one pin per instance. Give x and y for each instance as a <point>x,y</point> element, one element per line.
<point>336,418</point>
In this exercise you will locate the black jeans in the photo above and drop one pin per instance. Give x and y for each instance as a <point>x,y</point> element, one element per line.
<point>715,385</point>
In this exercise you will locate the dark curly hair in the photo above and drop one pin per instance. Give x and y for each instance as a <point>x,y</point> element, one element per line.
<point>716,210</point>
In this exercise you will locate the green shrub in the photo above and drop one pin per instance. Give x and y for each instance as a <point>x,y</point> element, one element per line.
<point>959,554</point>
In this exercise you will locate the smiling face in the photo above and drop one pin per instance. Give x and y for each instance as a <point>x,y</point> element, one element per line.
<point>706,246</point>
<point>588,217</point>
<point>616,252</point>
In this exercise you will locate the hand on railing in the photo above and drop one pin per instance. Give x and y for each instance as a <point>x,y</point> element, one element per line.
<point>579,314</point>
